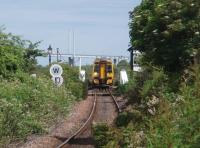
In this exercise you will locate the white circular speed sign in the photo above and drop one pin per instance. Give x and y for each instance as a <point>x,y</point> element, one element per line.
<point>56,70</point>
<point>58,80</point>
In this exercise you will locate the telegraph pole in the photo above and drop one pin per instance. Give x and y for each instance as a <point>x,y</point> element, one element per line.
<point>57,54</point>
<point>73,48</point>
<point>49,49</point>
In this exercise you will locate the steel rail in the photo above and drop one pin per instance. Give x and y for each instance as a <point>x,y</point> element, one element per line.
<point>115,101</point>
<point>83,127</point>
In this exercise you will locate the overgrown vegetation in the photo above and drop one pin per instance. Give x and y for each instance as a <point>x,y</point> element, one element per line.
<point>166,32</point>
<point>16,54</point>
<point>29,105</point>
<point>155,116</point>
<point>163,100</point>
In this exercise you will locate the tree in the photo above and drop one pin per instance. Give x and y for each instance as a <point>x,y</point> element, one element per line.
<point>16,54</point>
<point>166,32</point>
<point>30,55</point>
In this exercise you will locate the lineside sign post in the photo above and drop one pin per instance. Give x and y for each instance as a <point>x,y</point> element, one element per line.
<point>56,72</point>
<point>58,80</point>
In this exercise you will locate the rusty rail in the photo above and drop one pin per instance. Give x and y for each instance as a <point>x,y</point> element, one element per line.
<point>83,127</point>
<point>115,101</point>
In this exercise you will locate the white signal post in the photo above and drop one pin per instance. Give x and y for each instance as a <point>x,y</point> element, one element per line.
<point>58,80</point>
<point>123,77</point>
<point>56,72</point>
<point>82,75</point>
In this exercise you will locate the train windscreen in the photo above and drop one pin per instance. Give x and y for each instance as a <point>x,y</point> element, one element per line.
<point>109,68</point>
<point>96,68</point>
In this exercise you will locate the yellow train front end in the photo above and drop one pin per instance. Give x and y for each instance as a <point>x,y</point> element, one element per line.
<point>103,73</point>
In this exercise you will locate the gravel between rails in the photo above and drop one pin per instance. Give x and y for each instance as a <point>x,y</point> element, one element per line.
<point>106,112</point>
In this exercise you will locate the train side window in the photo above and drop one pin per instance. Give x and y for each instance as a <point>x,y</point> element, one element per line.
<point>109,68</point>
<point>96,68</point>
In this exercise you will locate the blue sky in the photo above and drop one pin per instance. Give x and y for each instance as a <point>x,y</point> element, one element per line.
<point>101,26</point>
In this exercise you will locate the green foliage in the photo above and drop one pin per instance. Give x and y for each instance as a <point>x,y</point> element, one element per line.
<point>28,105</point>
<point>166,32</point>
<point>144,84</point>
<point>72,82</point>
<point>105,136</point>
<point>126,117</point>
<point>178,125</point>
<point>163,104</point>
<point>189,119</point>
<point>176,119</point>
<point>123,64</point>
<point>152,85</point>
<point>101,134</point>
<point>16,54</point>
<point>123,89</point>
<point>71,79</point>
<point>31,52</point>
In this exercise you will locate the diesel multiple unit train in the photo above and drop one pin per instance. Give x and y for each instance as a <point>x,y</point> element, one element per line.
<point>102,73</point>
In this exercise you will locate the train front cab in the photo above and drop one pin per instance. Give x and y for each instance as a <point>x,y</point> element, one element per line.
<point>103,73</point>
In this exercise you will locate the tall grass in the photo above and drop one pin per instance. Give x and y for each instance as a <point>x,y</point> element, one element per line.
<point>30,105</point>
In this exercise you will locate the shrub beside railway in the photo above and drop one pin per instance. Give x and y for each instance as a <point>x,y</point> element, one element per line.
<point>157,115</point>
<point>30,105</point>
<point>163,107</point>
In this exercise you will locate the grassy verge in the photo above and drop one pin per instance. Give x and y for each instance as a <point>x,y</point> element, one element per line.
<point>30,105</point>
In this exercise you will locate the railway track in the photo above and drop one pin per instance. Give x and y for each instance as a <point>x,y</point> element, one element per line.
<point>115,101</point>
<point>88,122</point>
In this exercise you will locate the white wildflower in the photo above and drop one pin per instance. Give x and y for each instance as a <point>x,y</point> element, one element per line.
<point>166,17</point>
<point>180,99</point>
<point>197,33</point>
<point>139,137</point>
<point>137,16</point>
<point>152,111</point>
<point>154,101</point>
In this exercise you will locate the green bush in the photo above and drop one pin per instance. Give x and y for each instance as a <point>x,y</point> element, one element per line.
<point>101,134</point>
<point>71,79</point>
<point>176,122</point>
<point>16,54</point>
<point>29,105</point>
<point>151,86</point>
<point>72,82</point>
<point>126,117</point>
<point>105,136</point>
<point>166,32</point>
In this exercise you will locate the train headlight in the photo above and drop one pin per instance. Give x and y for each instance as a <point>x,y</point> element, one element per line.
<point>95,74</point>
<point>109,74</point>
<point>109,81</point>
<point>96,81</point>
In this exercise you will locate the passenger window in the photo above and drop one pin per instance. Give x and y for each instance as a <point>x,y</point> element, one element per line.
<point>96,68</point>
<point>109,68</point>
